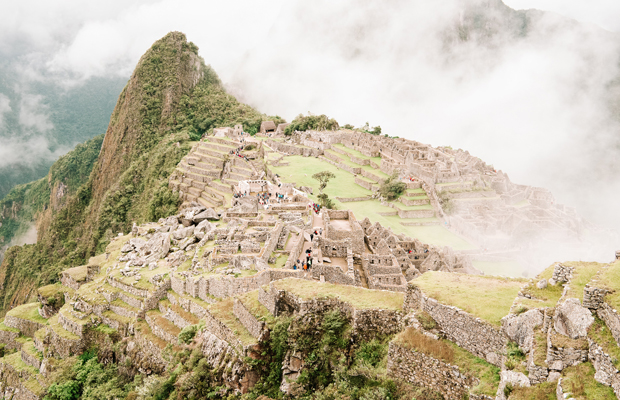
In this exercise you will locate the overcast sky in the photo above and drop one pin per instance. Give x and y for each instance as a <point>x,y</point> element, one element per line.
<point>529,107</point>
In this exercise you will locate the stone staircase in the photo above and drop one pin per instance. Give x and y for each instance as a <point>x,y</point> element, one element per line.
<point>209,172</point>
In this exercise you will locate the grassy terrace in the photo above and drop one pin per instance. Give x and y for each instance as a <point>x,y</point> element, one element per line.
<point>401,206</point>
<point>223,311</point>
<point>357,154</point>
<point>579,381</point>
<point>451,353</point>
<point>358,297</point>
<point>15,360</point>
<point>600,333</point>
<point>62,332</point>
<point>343,159</point>
<point>609,279</point>
<point>28,311</point>
<point>301,169</point>
<point>488,298</point>
<point>250,301</point>
<point>3,327</point>
<point>547,297</point>
<point>78,274</point>
<point>582,275</point>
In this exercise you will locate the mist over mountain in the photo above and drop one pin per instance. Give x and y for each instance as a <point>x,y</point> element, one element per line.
<point>41,119</point>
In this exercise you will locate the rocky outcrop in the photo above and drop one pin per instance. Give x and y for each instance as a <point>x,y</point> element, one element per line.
<point>572,320</point>
<point>520,328</point>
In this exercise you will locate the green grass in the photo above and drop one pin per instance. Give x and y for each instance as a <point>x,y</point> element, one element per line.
<point>281,260</point>
<point>78,274</point>
<point>488,298</point>
<point>547,297</point>
<point>15,360</point>
<point>579,381</point>
<point>357,154</point>
<point>501,268</point>
<point>582,275</point>
<point>223,311</point>
<point>343,159</point>
<point>375,171</point>
<point>356,296</point>
<point>28,311</point>
<point>600,333</point>
<point>610,279</point>
<point>62,332</point>
<point>105,329</point>
<point>401,206</point>
<point>301,169</point>
<point>449,352</point>
<point>542,391</point>
<point>3,327</point>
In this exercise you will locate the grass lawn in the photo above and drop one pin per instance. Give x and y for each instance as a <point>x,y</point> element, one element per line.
<point>343,159</point>
<point>358,154</point>
<point>579,382</point>
<point>281,260</point>
<point>610,279</point>
<point>511,268</point>
<point>488,298</point>
<point>401,206</point>
<point>582,275</point>
<point>375,171</point>
<point>542,391</point>
<point>301,169</point>
<point>358,297</point>
<point>547,297</point>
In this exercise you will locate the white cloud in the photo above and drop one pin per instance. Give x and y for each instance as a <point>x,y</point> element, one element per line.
<point>5,107</point>
<point>33,113</point>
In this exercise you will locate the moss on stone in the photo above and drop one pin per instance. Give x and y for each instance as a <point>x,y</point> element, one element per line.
<point>223,311</point>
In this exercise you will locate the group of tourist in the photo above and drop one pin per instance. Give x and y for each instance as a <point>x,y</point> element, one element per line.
<point>240,195</point>
<point>237,152</point>
<point>304,264</point>
<point>315,207</point>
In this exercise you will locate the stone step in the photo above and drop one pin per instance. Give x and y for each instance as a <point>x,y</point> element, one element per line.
<point>210,197</point>
<point>242,171</point>
<point>194,191</point>
<point>196,306</point>
<point>211,152</point>
<point>205,203</point>
<point>62,342</point>
<point>71,323</point>
<point>227,142</point>
<point>174,184</point>
<point>199,171</point>
<point>213,193</point>
<point>217,146</point>
<point>177,315</point>
<point>232,182</point>
<point>123,309</point>
<point>30,355</point>
<point>122,324</point>
<point>189,197</point>
<point>209,159</point>
<point>39,339</point>
<point>220,187</point>
<point>199,185</point>
<point>237,177</point>
<point>161,327</point>
<point>194,176</point>
<point>208,166</point>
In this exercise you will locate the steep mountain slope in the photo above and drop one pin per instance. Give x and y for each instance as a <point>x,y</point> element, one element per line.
<point>170,100</point>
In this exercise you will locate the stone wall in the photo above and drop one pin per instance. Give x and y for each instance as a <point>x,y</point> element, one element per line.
<point>562,273</point>
<point>63,347</point>
<point>594,299</point>
<point>423,370</point>
<point>26,327</point>
<point>224,333</point>
<point>467,331</point>
<point>256,328</point>
<point>332,274</point>
<point>8,338</point>
<point>606,372</point>
<point>127,288</point>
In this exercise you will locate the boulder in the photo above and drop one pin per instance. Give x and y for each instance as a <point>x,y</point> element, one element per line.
<point>572,319</point>
<point>520,328</point>
<point>157,247</point>
<point>209,213</point>
<point>186,242</point>
<point>187,216</point>
<point>203,228</point>
<point>541,284</point>
<point>183,232</point>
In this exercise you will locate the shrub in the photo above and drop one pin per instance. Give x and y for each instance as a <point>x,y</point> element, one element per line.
<point>311,122</point>
<point>372,352</point>
<point>426,320</point>
<point>325,201</point>
<point>392,188</point>
<point>187,334</point>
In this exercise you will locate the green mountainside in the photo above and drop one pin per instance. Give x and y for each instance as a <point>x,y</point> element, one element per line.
<point>171,98</point>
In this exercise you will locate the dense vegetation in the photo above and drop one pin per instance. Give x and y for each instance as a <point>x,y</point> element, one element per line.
<point>24,203</point>
<point>392,187</point>
<point>312,122</point>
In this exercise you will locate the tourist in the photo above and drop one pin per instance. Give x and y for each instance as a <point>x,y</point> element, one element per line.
<point>311,236</point>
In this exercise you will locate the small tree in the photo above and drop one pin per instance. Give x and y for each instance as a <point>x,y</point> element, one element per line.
<point>323,177</point>
<point>325,201</point>
<point>392,188</point>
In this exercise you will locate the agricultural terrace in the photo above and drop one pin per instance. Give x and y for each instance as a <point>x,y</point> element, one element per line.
<point>488,298</point>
